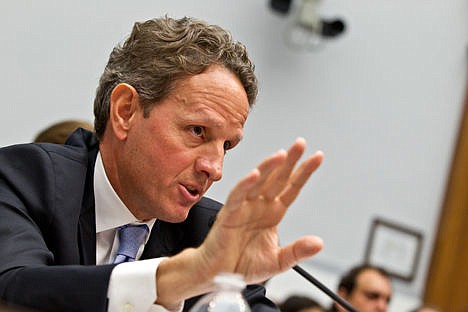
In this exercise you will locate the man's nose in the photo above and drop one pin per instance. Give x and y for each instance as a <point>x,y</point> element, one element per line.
<point>383,305</point>
<point>211,164</point>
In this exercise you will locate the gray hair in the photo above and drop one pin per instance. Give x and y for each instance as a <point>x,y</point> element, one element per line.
<point>161,51</point>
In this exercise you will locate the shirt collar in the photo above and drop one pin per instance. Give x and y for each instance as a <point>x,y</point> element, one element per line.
<point>111,212</point>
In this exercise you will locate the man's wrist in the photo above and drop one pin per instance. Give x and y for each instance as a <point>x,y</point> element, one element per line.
<point>182,273</point>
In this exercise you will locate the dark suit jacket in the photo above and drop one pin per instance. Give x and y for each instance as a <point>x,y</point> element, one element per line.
<point>48,236</point>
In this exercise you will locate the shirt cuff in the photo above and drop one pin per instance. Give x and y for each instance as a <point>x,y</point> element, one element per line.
<point>132,286</point>
<point>160,308</point>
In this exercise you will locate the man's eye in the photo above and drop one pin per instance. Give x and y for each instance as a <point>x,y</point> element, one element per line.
<point>372,295</point>
<point>227,145</point>
<point>197,130</point>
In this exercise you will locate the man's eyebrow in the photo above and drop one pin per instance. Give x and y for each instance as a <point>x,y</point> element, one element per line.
<point>375,294</point>
<point>195,116</point>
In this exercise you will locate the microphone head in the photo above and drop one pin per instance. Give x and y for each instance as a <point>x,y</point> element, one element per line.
<point>332,28</point>
<point>281,6</point>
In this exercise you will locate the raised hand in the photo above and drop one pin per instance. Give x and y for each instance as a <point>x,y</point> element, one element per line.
<point>244,238</point>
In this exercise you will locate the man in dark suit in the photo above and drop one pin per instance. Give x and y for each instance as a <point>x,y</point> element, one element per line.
<point>172,100</point>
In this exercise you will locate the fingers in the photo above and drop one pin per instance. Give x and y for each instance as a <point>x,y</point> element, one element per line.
<point>280,177</point>
<point>265,169</point>
<point>299,178</point>
<point>301,249</point>
<point>249,185</point>
<point>275,177</point>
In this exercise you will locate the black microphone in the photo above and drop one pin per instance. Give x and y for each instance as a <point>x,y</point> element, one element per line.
<point>324,288</point>
<point>332,28</point>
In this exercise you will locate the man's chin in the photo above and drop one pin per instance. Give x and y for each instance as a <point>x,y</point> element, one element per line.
<point>180,215</point>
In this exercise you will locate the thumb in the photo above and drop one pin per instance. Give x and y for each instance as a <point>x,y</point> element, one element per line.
<point>303,248</point>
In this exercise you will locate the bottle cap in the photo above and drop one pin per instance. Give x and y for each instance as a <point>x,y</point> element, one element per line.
<point>231,279</point>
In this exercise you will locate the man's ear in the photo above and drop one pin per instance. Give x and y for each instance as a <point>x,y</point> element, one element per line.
<point>343,293</point>
<point>124,104</point>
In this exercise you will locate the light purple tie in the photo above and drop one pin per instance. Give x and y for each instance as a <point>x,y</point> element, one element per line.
<point>131,237</point>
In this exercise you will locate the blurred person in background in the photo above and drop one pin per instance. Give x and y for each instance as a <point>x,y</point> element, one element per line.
<point>298,303</point>
<point>366,287</point>
<point>59,132</point>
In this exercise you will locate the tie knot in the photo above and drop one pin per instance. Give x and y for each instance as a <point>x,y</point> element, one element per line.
<point>131,237</point>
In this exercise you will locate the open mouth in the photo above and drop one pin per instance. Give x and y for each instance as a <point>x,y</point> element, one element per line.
<point>192,190</point>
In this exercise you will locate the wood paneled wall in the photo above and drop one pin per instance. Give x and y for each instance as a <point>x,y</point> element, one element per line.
<point>447,282</point>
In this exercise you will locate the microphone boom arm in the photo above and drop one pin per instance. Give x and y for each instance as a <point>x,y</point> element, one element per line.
<point>325,289</point>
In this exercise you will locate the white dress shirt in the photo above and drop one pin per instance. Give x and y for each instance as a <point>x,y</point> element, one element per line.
<point>132,285</point>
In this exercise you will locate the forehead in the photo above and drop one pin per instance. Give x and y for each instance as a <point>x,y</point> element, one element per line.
<point>372,280</point>
<point>216,88</point>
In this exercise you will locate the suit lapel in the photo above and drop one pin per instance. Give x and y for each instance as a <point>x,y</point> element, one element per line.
<point>87,238</point>
<point>168,239</point>
<point>87,226</point>
<point>87,220</point>
<point>165,240</point>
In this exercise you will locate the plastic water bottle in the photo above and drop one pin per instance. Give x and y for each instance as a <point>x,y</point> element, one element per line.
<point>227,296</point>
